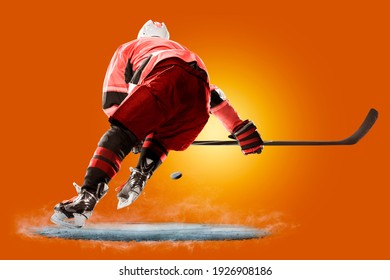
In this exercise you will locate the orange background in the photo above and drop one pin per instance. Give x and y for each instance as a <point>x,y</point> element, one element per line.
<point>299,70</point>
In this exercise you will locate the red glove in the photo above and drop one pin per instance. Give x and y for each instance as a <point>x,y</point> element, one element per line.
<point>249,139</point>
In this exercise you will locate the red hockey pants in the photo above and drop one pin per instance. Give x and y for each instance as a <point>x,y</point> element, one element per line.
<point>172,103</point>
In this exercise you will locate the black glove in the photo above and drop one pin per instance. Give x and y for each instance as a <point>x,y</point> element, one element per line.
<point>249,139</point>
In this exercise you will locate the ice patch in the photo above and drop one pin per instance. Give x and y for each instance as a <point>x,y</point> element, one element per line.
<point>153,232</point>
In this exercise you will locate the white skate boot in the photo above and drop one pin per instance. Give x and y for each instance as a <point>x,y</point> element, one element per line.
<point>74,212</point>
<point>129,192</point>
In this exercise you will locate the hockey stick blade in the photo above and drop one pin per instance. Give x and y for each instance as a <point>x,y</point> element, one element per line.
<point>368,122</point>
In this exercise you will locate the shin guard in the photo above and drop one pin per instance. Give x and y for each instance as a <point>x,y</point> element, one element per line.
<point>152,156</point>
<point>112,148</point>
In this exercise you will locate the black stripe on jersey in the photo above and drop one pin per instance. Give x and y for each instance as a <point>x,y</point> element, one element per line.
<point>129,72</point>
<point>111,98</point>
<point>138,72</point>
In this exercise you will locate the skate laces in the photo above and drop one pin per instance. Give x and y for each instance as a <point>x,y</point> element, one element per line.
<point>79,195</point>
<point>138,179</point>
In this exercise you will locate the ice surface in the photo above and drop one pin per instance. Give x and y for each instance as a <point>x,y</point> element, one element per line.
<point>153,232</point>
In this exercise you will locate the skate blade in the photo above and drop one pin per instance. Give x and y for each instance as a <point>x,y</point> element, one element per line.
<point>62,220</point>
<point>122,202</point>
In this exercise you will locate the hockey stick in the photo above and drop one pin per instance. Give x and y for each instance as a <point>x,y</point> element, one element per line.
<point>368,122</point>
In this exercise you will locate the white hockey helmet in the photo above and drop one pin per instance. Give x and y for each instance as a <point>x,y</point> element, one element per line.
<point>154,29</point>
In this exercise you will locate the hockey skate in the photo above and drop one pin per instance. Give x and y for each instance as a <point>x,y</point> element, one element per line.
<point>74,212</point>
<point>129,192</point>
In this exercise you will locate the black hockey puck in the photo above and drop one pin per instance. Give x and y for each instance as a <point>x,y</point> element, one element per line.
<point>176,175</point>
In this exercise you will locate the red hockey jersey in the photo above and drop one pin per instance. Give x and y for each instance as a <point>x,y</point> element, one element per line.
<point>138,58</point>
<point>133,61</point>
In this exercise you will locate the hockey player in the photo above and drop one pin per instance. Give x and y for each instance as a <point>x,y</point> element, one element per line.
<point>157,96</point>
